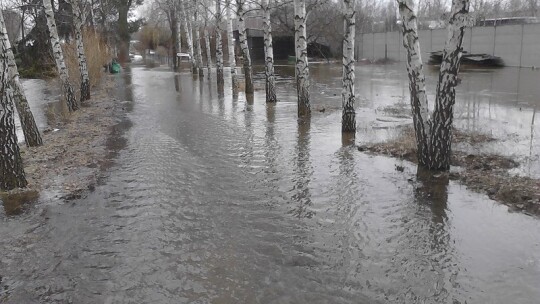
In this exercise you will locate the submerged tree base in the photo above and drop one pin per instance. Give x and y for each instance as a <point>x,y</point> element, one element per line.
<point>483,173</point>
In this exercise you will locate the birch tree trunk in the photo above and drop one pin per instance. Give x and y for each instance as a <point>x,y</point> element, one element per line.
<point>11,167</point>
<point>208,50</point>
<point>348,117</point>
<point>67,89</point>
<point>230,47</point>
<point>28,124</point>
<point>443,115</point>
<point>81,57</point>
<point>178,39</point>
<point>417,80</point>
<point>434,134</point>
<point>302,68</point>
<point>242,36</point>
<point>198,51</point>
<point>268,54</point>
<point>174,33</point>
<point>189,40</point>
<point>219,45</point>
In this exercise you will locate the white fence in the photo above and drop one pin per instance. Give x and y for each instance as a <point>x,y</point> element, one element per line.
<point>517,45</point>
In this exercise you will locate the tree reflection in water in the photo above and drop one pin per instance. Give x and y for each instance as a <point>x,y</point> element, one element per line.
<point>303,172</point>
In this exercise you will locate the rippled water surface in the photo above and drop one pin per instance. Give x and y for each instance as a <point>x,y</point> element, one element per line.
<point>219,199</point>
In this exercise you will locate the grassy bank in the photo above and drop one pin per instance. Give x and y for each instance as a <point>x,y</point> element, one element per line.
<point>483,173</point>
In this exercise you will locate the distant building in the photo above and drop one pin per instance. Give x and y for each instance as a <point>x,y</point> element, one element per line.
<point>507,21</point>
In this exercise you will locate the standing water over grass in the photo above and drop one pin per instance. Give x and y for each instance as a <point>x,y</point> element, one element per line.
<point>219,199</point>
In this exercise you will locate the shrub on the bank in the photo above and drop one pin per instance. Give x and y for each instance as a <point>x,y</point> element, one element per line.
<point>97,54</point>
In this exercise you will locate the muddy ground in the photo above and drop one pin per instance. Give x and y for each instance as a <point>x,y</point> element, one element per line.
<point>484,173</point>
<point>75,151</point>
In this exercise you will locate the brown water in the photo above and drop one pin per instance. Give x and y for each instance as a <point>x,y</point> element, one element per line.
<point>214,199</point>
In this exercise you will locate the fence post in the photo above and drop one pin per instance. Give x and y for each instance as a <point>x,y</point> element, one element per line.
<point>494,38</point>
<point>431,40</point>
<point>471,40</point>
<point>521,49</point>
<point>385,45</point>
<point>373,47</point>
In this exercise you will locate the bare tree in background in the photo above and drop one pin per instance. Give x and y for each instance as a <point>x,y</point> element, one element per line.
<point>67,89</point>
<point>207,47</point>
<point>189,38</point>
<point>433,134</point>
<point>197,42</point>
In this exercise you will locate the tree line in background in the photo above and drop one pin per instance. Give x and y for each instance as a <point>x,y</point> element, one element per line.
<point>433,130</point>
<point>190,23</point>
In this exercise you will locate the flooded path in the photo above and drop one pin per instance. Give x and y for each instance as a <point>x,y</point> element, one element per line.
<point>218,199</point>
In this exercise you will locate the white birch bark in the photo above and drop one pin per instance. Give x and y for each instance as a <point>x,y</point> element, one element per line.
<point>230,47</point>
<point>348,118</point>
<point>302,67</point>
<point>208,50</point>
<point>81,57</point>
<point>11,168</point>
<point>189,40</point>
<point>434,134</point>
<point>417,79</point>
<point>443,114</point>
<point>67,89</point>
<point>219,45</point>
<point>268,54</point>
<point>197,43</point>
<point>178,38</point>
<point>28,124</point>
<point>242,36</point>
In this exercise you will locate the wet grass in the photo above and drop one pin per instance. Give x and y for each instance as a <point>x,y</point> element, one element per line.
<point>68,164</point>
<point>484,173</point>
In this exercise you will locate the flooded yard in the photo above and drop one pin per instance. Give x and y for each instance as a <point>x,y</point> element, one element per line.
<point>219,198</point>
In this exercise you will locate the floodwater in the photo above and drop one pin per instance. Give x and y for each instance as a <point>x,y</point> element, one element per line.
<point>216,198</point>
<point>41,97</point>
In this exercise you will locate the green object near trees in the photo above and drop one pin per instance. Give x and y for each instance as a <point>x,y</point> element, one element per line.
<point>115,68</point>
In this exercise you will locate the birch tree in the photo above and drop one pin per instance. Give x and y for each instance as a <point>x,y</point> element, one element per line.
<point>219,45</point>
<point>434,133</point>
<point>81,57</point>
<point>302,68</point>
<point>67,89</point>
<point>189,38</point>
<point>28,124</point>
<point>348,118</point>
<point>242,36</point>
<point>197,42</point>
<point>11,167</point>
<point>268,54</point>
<point>208,50</point>
<point>178,38</point>
<point>175,30</point>
<point>230,46</point>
